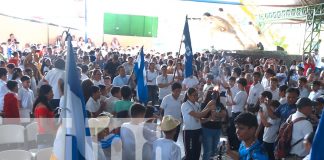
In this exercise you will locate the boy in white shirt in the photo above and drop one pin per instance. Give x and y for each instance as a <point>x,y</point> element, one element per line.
<point>303,88</point>
<point>274,88</point>
<point>166,148</point>
<point>271,128</point>
<point>26,97</point>
<point>316,90</point>
<point>94,105</point>
<point>282,94</point>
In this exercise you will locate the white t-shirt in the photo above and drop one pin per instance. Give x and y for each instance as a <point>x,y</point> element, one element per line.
<point>239,100</point>
<point>275,93</point>
<point>190,82</point>
<point>300,129</point>
<point>151,76</point>
<point>190,122</point>
<point>92,105</point>
<point>110,104</point>
<point>166,149</point>
<point>314,95</point>
<point>283,100</point>
<point>270,133</point>
<point>163,80</point>
<point>97,83</point>
<point>84,77</point>
<point>172,106</point>
<point>53,77</point>
<point>254,93</point>
<point>26,97</point>
<point>303,92</point>
<point>133,140</point>
<point>265,82</point>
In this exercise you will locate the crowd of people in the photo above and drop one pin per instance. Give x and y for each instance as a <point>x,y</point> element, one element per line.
<point>244,99</point>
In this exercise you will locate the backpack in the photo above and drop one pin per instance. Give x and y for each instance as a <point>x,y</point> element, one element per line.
<point>283,142</point>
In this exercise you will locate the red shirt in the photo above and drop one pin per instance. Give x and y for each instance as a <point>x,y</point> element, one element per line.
<point>11,108</point>
<point>14,60</point>
<point>41,111</point>
<point>308,65</point>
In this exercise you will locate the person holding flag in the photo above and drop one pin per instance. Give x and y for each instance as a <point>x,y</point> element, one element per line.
<point>139,70</point>
<point>74,133</point>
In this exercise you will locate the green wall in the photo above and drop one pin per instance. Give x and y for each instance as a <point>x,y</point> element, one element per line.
<point>130,25</point>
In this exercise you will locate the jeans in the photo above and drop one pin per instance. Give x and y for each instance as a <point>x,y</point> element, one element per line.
<point>210,141</point>
<point>153,94</point>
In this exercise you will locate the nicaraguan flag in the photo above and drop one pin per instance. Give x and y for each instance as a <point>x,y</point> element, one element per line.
<point>78,143</point>
<point>188,54</point>
<point>318,142</point>
<point>139,70</point>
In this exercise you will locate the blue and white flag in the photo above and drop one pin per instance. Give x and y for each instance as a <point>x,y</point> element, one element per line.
<point>78,142</point>
<point>188,54</point>
<point>139,70</point>
<point>318,142</point>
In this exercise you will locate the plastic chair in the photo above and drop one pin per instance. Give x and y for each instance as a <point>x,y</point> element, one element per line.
<point>11,133</point>
<point>15,155</point>
<point>32,131</point>
<point>44,154</point>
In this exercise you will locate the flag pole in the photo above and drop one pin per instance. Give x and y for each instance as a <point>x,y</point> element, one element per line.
<point>175,69</point>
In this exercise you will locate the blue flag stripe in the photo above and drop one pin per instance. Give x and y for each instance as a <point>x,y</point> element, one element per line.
<point>318,142</point>
<point>75,108</point>
<point>188,53</point>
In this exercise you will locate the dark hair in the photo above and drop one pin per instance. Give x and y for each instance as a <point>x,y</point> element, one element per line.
<point>258,74</point>
<point>270,71</point>
<point>189,92</point>
<point>149,112</point>
<point>275,103</point>
<point>208,97</point>
<point>86,85</point>
<point>43,91</point>
<point>242,81</point>
<point>317,83</point>
<point>126,92</point>
<point>247,119</point>
<point>232,79</point>
<point>176,85</point>
<point>24,78</point>
<point>237,70</point>
<point>3,71</point>
<point>228,70</point>
<point>293,90</point>
<point>15,73</point>
<point>267,94</point>
<point>12,84</point>
<point>84,68</point>
<point>94,89</point>
<point>11,65</point>
<point>303,79</point>
<point>115,90</point>
<point>59,64</point>
<point>137,110</point>
<point>310,137</point>
<point>119,67</point>
<point>283,88</point>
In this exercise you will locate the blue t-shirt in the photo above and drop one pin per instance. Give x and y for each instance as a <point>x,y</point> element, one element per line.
<point>284,111</point>
<point>256,151</point>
